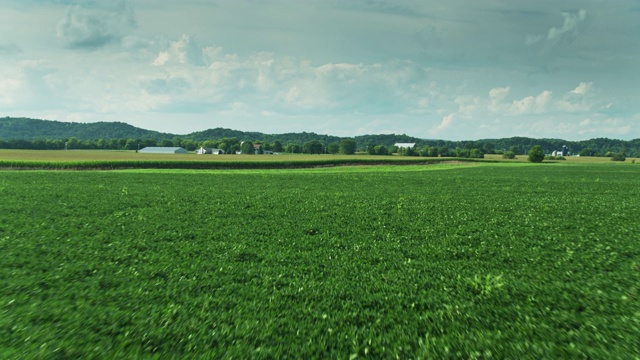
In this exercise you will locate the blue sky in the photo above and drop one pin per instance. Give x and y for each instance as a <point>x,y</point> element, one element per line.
<point>456,70</point>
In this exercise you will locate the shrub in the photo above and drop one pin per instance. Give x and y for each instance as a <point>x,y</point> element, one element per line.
<point>509,155</point>
<point>618,157</point>
<point>536,155</point>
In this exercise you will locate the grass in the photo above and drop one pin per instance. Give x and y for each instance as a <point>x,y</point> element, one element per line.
<point>98,155</point>
<point>500,260</point>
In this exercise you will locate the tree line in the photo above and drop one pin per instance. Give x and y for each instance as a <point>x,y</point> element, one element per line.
<point>24,133</point>
<point>229,145</point>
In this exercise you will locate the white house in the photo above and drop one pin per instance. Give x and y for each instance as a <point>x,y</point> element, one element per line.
<point>163,150</point>
<point>405,145</point>
<point>203,151</point>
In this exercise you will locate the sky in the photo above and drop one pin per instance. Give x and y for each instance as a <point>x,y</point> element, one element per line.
<point>454,70</point>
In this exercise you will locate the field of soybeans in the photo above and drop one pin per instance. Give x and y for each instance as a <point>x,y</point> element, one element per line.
<point>477,260</point>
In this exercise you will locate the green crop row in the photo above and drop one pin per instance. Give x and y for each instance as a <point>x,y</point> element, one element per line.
<point>471,262</point>
<point>177,164</point>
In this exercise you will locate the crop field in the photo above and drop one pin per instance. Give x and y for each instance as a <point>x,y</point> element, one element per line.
<point>112,160</point>
<point>503,260</point>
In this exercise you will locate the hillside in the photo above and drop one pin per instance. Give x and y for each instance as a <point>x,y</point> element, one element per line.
<point>34,129</point>
<point>18,133</point>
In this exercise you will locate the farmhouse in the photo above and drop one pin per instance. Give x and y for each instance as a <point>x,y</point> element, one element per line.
<point>564,152</point>
<point>203,151</point>
<point>405,145</point>
<point>163,150</point>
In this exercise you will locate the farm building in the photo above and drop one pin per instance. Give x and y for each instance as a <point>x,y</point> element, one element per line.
<point>564,152</point>
<point>203,151</point>
<point>163,150</point>
<point>405,145</point>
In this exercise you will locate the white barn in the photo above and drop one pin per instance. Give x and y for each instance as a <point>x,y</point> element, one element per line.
<point>405,145</point>
<point>163,150</point>
<point>203,151</point>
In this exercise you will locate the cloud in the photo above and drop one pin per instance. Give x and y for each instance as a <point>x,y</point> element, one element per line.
<point>166,86</point>
<point>579,99</point>
<point>528,105</point>
<point>570,25</point>
<point>533,39</point>
<point>183,51</point>
<point>28,82</point>
<point>94,25</point>
<point>496,95</point>
<point>446,122</point>
<point>10,86</point>
<point>583,88</point>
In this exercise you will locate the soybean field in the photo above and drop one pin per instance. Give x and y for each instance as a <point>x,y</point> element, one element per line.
<point>412,262</point>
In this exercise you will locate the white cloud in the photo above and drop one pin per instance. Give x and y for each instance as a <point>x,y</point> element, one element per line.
<point>183,51</point>
<point>583,88</point>
<point>496,96</point>
<point>468,105</point>
<point>10,88</point>
<point>570,24</point>
<point>579,99</point>
<point>446,122</point>
<point>530,104</point>
<point>95,24</point>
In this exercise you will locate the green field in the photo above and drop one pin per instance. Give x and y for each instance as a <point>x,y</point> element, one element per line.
<point>505,260</point>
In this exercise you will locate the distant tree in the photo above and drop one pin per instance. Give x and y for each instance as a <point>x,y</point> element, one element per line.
<point>407,151</point>
<point>333,147</point>
<point>277,146</point>
<point>371,149</point>
<point>313,147</point>
<point>621,156</point>
<point>430,151</point>
<point>190,145</point>
<point>461,153</point>
<point>101,144</point>
<point>348,146</point>
<point>247,148</point>
<point>433,151</point>
<point>381,150</point>
<point>208,144</point>
<point>489,148</point>
<point>293,148</point>
<point>536,155</point>
<point>73,143</point>
<point>476,154</point>
<point>516,150</point>
<point>131,144</point>
<point>470,145</point>
<point>443,151</point>
<point>509,155</point>
<point>232,149</point>
<point>587,152</point>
